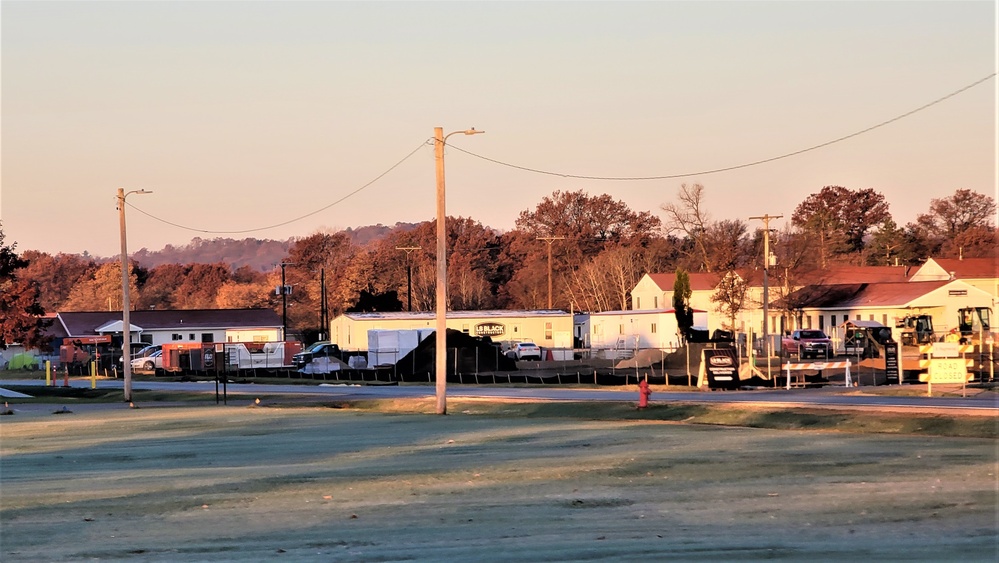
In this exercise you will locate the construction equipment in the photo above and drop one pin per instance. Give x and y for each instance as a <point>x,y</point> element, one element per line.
<point>973,324</point>
<point>913,330</point>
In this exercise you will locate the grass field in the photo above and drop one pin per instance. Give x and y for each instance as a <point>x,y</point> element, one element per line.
<point>493,482</point>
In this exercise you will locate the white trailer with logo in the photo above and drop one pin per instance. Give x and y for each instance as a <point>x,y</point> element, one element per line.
<point>549,329</point>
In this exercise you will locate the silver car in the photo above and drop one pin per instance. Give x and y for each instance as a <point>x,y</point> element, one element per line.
<point>152,362</point>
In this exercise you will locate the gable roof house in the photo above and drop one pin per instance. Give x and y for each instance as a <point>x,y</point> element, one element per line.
<point>982,273</point>
<point>162,326</point>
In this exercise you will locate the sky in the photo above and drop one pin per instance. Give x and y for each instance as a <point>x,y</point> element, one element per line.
<point>280,119</point>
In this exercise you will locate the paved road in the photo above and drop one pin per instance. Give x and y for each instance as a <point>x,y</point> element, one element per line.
<point>987,403</point>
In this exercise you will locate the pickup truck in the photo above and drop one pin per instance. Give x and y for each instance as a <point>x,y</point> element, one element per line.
<point>805,343</point>
<point>318,350</point>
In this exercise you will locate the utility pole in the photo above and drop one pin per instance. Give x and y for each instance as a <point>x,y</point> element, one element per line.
<point>409,275</point>
<point>126,322</point>
<point>440,312</point>
<point>324,317</point>
<point>549,240</point>
<point>766,266</point>
<point>284,290</point>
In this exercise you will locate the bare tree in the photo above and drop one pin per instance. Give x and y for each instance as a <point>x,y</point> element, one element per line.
<point>689,218</point>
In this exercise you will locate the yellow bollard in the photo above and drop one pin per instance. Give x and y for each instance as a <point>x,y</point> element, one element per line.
<point>93,376</point>
<point>48,373</point>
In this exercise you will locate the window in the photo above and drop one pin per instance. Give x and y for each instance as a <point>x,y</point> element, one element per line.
<point>176,336</point>
<point>858,316</point>
<point>516,329</point>
<point>464,328</point>
<point>832,321</point>
<point>548,331</point>
<point>653,328</point>
<point>655,302</point>
<point>207,337</point>
<point>638,302</point>
<point>190,337</point>
<point>822,323</point>
<point>884,319</point>
<point>146,338</point>
<point>808,321</point>
<point>620,329</point>
<point>872,318</point>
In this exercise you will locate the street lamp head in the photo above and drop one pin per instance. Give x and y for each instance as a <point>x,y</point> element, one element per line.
<point>472,131</point>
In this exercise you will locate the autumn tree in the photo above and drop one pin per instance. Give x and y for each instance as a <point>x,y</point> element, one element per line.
<point>726,245</point>
<point>160,287</point>
<point>20,311</point>
<point>958,225</point>
<point>55,275</point>
<point>587,222</point>
<point>200,286</point>
<point>100,289</point>
<point>839,218</point>
<point>329,254</point>
<point>730,296</point>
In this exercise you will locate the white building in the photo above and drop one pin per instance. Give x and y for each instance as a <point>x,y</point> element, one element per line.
<point>632,330</point>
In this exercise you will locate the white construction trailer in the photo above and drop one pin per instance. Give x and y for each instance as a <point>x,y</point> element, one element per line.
<point>550,329</point>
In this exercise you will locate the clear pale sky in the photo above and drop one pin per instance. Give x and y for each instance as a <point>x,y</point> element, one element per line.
<point>243,115</point>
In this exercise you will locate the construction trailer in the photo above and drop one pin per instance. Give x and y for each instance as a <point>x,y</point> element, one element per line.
<point>550,329</point>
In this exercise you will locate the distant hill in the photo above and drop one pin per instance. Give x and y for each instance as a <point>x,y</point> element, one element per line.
<point>259,254</point>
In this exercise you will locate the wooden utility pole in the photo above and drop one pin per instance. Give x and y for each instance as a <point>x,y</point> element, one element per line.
<point>766,266</point>
<point>549,240</point>
<point>409,275</point>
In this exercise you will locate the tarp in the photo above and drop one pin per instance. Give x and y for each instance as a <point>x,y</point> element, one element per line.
<point>23,360</point>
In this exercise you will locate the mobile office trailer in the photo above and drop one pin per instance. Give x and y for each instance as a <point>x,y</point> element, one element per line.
<point>550,329</point>
<point>261,355</point>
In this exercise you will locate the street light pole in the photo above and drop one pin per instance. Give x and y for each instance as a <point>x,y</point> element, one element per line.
<point>766,267</point>
<point>549,240</point>
<point>126,322</point>
<point>441,294</point>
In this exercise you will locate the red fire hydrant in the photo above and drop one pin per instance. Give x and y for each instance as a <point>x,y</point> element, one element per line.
<point>643,394</point>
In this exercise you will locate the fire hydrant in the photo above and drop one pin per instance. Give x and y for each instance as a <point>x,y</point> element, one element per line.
<point>643,394</point>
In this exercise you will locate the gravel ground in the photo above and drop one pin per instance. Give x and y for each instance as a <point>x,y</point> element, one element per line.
<point>249,484</point>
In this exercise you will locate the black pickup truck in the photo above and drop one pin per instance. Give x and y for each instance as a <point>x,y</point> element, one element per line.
<point>323,349</point>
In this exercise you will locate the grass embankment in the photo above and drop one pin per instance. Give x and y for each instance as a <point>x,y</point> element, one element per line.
<point>812,419</point>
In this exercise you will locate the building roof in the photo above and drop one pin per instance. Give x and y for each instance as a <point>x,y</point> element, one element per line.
<point>857,295</point>
<point>86,323</point>
<point>430,315</point>
<point>854,275</point>
<point>638,312</point>
<point>699,281</point>
<point>961,268</point>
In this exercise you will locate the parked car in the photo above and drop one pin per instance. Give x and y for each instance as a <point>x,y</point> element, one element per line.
<point>525,351</point>
<point>321,349</point>
<point>805,343</point>
<point>152,362</point>
<point>142,350</point>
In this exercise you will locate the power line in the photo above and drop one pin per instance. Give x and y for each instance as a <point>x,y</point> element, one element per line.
<point>729,168</point>
<point>289,221</point>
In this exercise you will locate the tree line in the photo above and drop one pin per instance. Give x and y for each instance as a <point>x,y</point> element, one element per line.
<point>599,247</point>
